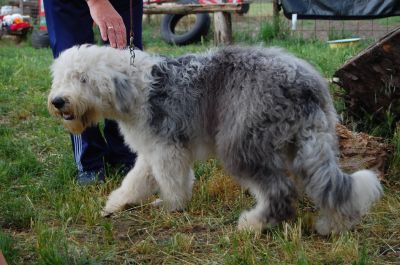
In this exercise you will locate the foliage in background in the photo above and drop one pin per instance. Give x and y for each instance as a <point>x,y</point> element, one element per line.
<point>277,29</point>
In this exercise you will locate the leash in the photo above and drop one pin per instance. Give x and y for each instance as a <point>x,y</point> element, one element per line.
<point>131,45</point>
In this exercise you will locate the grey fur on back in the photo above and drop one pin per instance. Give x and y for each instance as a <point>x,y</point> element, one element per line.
<point>251,102</point>
<point>265,87</point>
<point>260,99</point>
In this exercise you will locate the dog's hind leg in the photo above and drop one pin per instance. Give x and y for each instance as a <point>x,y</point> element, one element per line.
<point>275,194</point>
<point>172,170</point>
<point>137,186</point>
<point>343,198</point>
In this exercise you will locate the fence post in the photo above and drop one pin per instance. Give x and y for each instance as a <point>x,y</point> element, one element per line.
<point>223,28</point>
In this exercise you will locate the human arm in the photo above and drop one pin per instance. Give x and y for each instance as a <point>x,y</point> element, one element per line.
<point>111,25</point>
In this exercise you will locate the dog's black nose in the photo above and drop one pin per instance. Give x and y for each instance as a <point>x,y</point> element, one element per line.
<point>58,102</point>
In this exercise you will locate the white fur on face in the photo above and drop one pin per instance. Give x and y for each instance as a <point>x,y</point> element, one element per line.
<point>82,76</point>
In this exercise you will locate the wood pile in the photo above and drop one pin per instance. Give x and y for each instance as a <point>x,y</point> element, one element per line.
<point>371,80</point>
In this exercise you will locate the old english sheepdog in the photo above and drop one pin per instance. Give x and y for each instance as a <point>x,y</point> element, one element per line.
<point>264,113</point>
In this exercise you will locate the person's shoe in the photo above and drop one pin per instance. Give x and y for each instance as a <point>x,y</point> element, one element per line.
<point>90,177</point>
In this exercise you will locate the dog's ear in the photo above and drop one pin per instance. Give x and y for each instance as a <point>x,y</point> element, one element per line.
<point>83,78</point>
<point>123,93</point>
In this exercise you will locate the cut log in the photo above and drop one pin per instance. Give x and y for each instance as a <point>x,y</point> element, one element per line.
<point>362,151</point>
<point>371,80</point>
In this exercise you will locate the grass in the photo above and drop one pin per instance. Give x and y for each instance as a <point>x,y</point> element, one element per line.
<point>389,21</point>
<point>45,218</point>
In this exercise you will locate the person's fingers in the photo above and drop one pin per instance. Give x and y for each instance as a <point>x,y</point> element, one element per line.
<point>123,33</point>
<point>111,35</point>
<point>103,31</point>
<point>120,34</point>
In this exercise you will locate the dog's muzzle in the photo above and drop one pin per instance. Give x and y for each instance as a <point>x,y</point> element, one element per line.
<point>60,104</point>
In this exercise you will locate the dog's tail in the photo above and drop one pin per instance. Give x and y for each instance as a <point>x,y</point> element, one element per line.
<point>343,198</point>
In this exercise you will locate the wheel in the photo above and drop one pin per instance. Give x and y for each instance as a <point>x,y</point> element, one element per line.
<point>40,39</point>
<point>185,29</point>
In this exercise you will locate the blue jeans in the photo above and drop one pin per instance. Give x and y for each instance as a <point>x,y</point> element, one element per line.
<point>69,23</point>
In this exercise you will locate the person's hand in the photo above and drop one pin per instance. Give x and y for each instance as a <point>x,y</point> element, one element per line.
<point>111,25</point>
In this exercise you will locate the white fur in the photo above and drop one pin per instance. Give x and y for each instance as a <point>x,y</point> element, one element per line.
<point>137,186</point>
<point>366,191</point>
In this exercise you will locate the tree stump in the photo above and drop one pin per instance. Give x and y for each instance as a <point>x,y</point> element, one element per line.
<point>362,151</point>
<point>371,80</point>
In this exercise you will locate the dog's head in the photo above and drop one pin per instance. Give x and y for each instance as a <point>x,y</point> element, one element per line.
<point>90,83</point>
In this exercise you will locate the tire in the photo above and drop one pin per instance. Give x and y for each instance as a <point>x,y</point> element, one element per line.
<point>40,39</point>
<point>198,30</point>
<point>245,8</point>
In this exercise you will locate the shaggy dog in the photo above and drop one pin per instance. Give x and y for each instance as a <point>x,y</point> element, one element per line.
<point>261,111</point>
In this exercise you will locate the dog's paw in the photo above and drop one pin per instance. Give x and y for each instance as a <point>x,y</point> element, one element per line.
<point>105,214</point>
<point>323,226</point>
<point>116,202</point>
<point>333,223</point>
<point>110,209</point>
<point>248,220</point>
<point>157,203</point>
<point>172,206</point>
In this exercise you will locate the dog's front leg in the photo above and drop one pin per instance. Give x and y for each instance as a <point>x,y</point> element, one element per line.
<point>137,186</point>
<point>175,177</point>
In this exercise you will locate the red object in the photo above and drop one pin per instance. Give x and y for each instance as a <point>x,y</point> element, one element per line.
<point>42,17</point>
<point>19,26</point>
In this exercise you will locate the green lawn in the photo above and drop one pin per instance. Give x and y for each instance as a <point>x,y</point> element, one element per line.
<point>45,218</point>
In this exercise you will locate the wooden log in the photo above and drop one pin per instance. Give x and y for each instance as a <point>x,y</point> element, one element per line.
<point>191,8</point>
<point>371,80</point>
<point>222,28</point>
